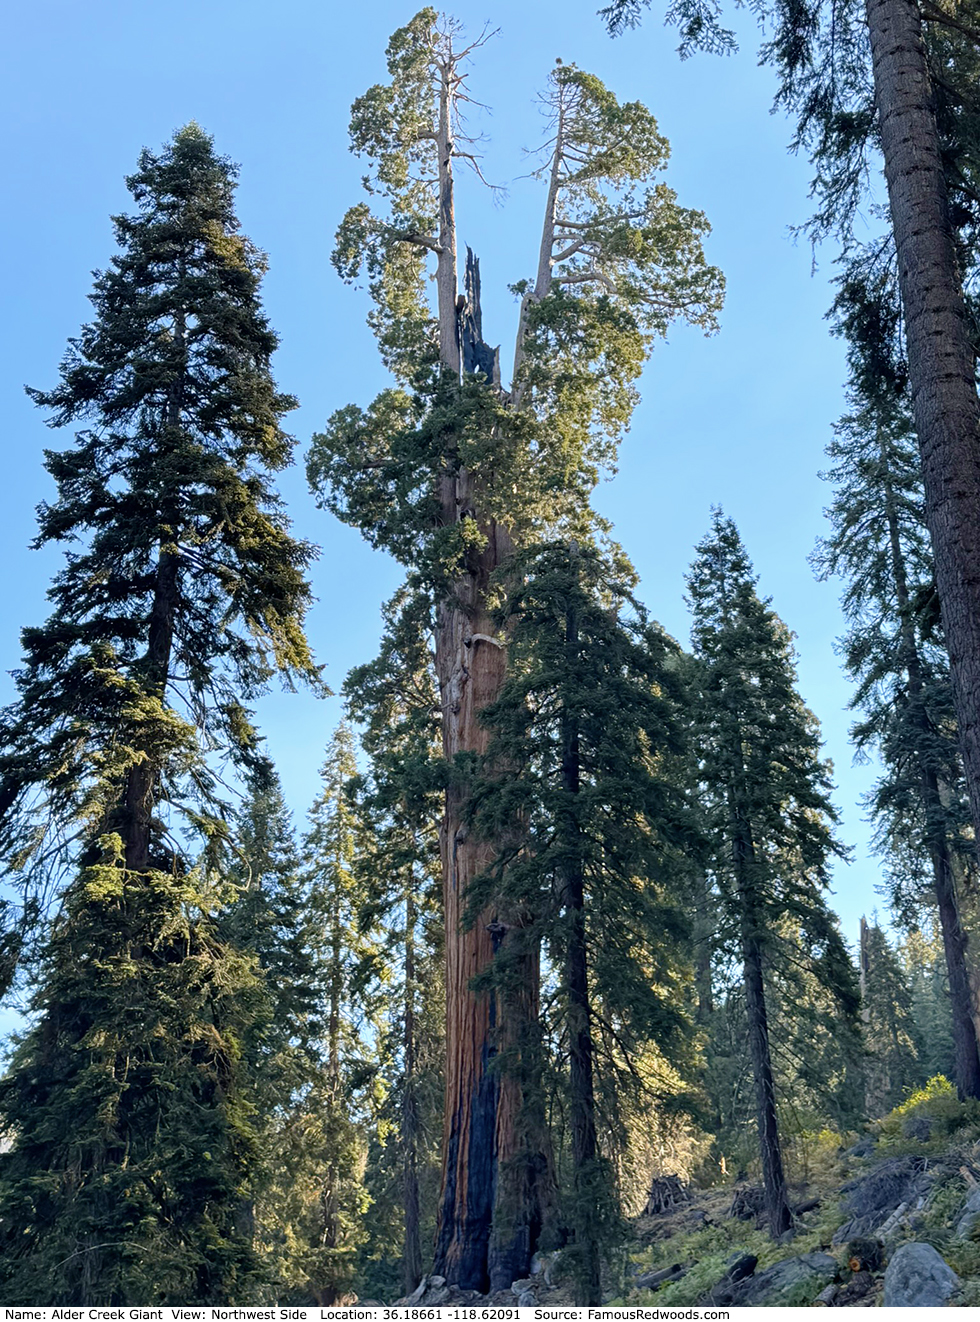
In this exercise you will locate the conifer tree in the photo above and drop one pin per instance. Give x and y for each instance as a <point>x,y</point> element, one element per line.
<point>274,915</point>
<point>449,472</point>
<point>891,1035</point>
<point>581,790</point>
<point>924,967</point>
<point>894,650</point>
<point>766,799</point>
<point>395,698</point>
<point>181,596</point>
<point>331,848</point>
<point>889,87</point>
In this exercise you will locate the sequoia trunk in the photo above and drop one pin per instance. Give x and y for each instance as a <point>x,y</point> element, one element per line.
<point>470,666</point>
<point>940,353</point>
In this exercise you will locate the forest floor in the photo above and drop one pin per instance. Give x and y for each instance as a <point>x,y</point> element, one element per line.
<point>913,1179</point>
<point>892,1218</point>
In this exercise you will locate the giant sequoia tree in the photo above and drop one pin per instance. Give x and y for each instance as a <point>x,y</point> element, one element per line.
<point>181,595</point>
<point>766,796</point>
<point>448,471</point>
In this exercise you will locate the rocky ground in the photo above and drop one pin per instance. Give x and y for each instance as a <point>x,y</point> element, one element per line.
<point>894,1222</point>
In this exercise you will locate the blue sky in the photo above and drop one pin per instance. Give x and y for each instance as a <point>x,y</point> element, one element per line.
<point>740,419</point>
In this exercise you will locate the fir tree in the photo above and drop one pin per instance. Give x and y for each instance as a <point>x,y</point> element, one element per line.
<point>592,830</point>
<point>335,1103</point>
<point>401,800</point>
<point>891,1035</point>
<point>894,650</point>
<point>182,595</point>
<point>766,799</point>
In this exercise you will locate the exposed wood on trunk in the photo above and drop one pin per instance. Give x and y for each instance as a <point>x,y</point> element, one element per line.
<point>543,276</point>
<point>940,353</point>
<point>526,1194</point>
<point>446,279</point>
<point>470,676</point>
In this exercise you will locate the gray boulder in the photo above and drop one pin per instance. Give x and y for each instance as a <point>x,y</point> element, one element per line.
<point>816,1269</point>
<point>969,1216</point>
<point>875,1197</point>
<point>917,1277</point>
<point>771,1286</point>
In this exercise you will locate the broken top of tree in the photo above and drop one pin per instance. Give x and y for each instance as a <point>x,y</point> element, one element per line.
<point>450,473</point>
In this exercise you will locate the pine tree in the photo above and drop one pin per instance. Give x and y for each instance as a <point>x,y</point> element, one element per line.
<point>592,830</point>
<point>448,472</point>
<point>181,596</point>
<point>767,805</point>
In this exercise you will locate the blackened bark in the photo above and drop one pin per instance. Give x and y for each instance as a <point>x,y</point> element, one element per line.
<point>525,1194</point>
<point>940,353</point>
<point>497,1171</point>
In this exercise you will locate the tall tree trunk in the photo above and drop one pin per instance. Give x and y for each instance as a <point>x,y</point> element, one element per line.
<point>526,1194</point>
<point>940,354</point>
<point>485,1125</point>
<point>412,1260</point>
<point>961,1004</point>
<point>773,1175</point>
<point>581,1082</point>
<point>470,667</point>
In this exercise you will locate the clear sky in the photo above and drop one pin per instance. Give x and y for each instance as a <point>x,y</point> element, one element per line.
<point>740,419</point>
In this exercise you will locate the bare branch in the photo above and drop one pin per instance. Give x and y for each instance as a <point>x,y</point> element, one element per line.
<point>585,278</point>
<point>572,248</point>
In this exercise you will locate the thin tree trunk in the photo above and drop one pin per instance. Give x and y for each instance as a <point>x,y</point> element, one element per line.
<point>581,1082</point>
<point>967,1053</point>
<point>773,1175</point>
<point>940,354</point>
<point>412,1263</point>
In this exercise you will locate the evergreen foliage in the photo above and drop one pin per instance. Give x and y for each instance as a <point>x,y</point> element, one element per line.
<point>892,1037</point>
<point>765,795</point>
<point>182,595</point>
<point>580,788</point>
